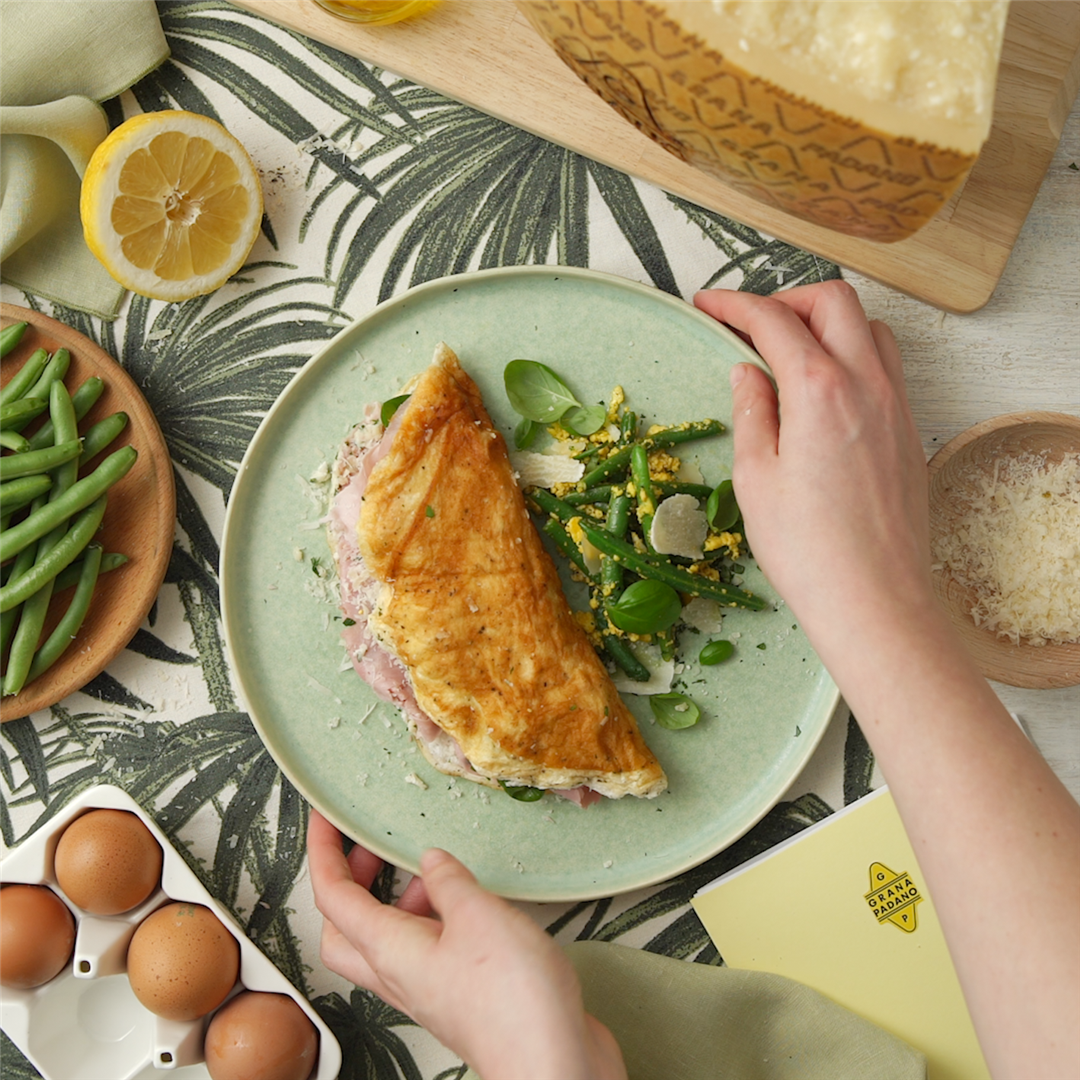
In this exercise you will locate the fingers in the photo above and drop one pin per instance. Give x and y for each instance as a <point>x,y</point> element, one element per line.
<point>414,898</point>
<point>343,901</point>
<point>448,883</point>
<point>800,325</point>
<point>889,352</point>
<point>754,414</point>
<point>772,327</point>
<point>363,865</point>
<point>326,860</point>
<point>834,315</point>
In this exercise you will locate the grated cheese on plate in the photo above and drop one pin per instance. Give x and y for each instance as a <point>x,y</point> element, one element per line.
<point>1017,546</point>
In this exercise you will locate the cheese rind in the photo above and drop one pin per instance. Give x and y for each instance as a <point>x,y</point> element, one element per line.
<point>862,116</point>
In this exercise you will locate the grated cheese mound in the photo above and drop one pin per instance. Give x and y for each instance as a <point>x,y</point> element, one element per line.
<point>1017,546</point>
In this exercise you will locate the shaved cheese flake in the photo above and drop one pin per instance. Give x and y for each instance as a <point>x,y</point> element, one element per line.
<point>544,470</point>
<point>704,615</point>
<point>661,672</point>
<point>1017,546</point>
<point>679,527</point>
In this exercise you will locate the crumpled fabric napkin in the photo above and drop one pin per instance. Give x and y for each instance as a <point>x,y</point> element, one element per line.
<point>680,1021</point>
<point>59,58</point>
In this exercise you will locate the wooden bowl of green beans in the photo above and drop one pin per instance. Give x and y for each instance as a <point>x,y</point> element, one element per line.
<point>89,459</point>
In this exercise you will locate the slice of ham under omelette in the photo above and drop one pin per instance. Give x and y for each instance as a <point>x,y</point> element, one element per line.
<point>472,606</point>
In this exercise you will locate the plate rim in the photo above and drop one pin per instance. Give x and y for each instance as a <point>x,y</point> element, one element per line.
<point>722,839</point>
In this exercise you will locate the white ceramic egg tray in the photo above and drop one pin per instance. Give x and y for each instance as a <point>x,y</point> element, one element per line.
<point>86,1023</point>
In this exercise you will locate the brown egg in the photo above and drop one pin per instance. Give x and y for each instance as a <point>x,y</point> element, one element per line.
<point>107,861</point>
<point>258,1036</point>
<point>182,961</point>
<point>37,934</point>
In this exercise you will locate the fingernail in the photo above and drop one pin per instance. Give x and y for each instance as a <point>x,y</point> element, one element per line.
<point>738,373</point>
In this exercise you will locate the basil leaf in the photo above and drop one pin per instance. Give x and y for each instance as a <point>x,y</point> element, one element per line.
<point>715,652</point>
<point>391,406</point>
<point>674,711</point>
<point>525,434</point>
<point>721,508</point>
<point>645,607</point>
<point>522,793</point>
<point>585,419</point>
<point>536,392</point>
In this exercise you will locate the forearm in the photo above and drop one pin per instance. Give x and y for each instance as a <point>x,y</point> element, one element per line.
<point>996,834</point>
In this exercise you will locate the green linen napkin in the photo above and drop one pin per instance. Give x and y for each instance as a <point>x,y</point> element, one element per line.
<point>680,1021</point>
<point>58,59</point>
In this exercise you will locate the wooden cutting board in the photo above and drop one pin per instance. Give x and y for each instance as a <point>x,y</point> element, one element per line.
<point>484,53</point>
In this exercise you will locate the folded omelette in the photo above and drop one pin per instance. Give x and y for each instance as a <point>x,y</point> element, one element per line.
<point>455,612</point>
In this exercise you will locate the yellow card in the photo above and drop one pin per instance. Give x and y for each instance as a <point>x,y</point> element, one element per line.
<point>842,907</point>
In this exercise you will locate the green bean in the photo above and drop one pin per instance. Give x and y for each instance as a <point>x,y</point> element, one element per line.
<point>590,496</point>
<point>659,569</point>
<point>9,619</point>
<point>27,634</point>
<point>62,414</point>
<point>15,415</point>
<point>663,488</point>
<point>619,461</point>
<point>56,368</point>
<point>15,494</point>
<point>68,626</point>
<point>12,440</point>
<point>36,607</point>
<point>81,494</point>
<point>666,640</point>
<point>618,648</point>
<point>111,560</point>
<point>83,399</point>
<point>10,336</point>
<point>99,435</point>
<point>63,554</point>
<point>35,461</point>
<point>565,543</point>
<point>618,519</point>
<point>18,566</point>
<point>643,490</point>
<point>550,504</point>
<point>25,377</point>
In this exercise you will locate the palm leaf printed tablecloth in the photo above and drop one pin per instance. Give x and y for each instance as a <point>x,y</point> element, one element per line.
<point>372,184</point>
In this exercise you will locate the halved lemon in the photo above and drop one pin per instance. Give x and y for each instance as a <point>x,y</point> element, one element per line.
<point>171,204</point>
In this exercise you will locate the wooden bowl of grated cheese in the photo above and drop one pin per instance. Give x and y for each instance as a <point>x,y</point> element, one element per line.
<point>1005,541</point>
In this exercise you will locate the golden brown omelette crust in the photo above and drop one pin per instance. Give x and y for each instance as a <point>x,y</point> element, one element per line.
<point>473,606</point>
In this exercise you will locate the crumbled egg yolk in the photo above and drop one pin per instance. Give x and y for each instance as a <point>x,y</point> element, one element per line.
<point>729,540</point>
<point>664,466</point>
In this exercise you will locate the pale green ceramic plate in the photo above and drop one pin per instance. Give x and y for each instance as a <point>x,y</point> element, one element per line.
<point>348,753</point>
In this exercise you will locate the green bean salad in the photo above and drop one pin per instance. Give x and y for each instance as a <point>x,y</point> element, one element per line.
<point>642,538</point>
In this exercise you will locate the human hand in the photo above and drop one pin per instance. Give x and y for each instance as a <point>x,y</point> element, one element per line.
<point>829,469</point>
<point>474,971</point>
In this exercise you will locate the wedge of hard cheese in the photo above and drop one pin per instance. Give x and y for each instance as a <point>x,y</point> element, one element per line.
<point>860,115</point>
